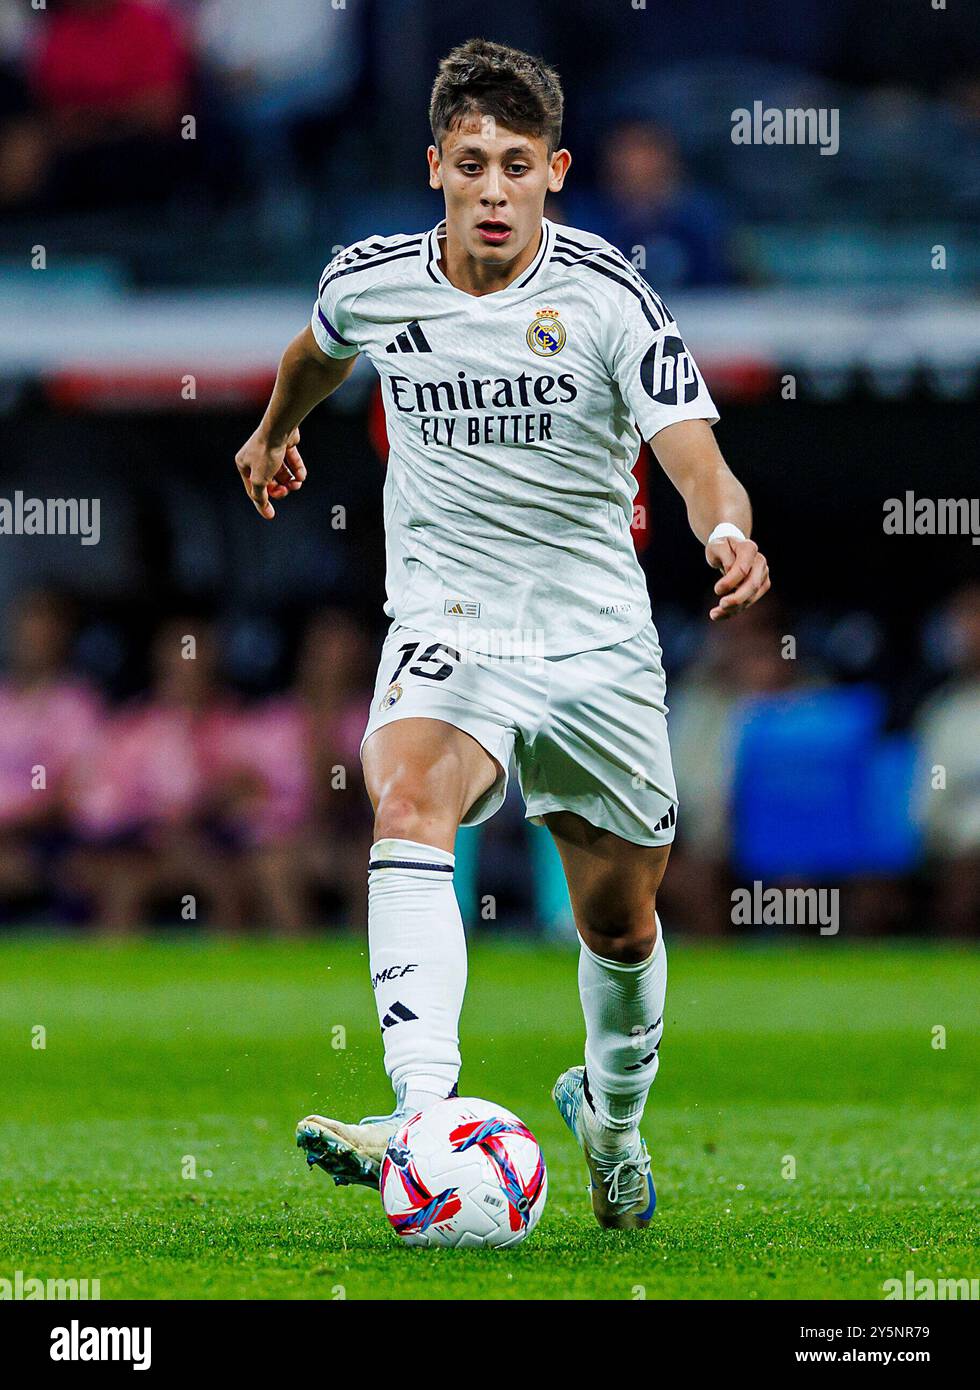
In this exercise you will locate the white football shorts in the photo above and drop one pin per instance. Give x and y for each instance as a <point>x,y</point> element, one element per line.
<point>588,731</point>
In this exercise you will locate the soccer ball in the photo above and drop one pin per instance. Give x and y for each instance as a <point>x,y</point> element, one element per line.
<point>465,1172</point>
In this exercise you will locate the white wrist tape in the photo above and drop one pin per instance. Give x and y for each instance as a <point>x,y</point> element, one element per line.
<point>725,529</point>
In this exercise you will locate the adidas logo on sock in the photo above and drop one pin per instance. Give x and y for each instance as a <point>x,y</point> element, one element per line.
<point>411,339</point>
<point>398,1013</point>
<point>645,1061</point>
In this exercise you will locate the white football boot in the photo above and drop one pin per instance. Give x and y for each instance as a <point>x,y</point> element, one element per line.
<point>349,1153</point>
<point>623,1195</point>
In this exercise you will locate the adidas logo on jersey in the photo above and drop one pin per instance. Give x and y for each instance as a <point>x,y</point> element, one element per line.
<point>411,339</point>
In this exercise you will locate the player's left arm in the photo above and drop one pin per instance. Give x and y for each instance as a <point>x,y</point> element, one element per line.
<point>688,453</point>
<point>667,397</point>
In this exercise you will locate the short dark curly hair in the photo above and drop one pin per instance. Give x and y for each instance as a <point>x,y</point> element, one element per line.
<point>489,79</point>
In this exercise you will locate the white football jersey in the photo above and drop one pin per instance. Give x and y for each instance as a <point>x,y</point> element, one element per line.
<point>514,421</point>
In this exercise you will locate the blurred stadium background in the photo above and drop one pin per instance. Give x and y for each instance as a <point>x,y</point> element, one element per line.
<point>152,267</point>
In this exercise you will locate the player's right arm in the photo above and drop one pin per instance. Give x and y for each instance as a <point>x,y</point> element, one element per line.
<point>315,363</point>
<point>269,463</point>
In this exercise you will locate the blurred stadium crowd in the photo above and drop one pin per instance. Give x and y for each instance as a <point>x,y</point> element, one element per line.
<point>108,810</point>
<point>309,125</point>
<point>193,801</point>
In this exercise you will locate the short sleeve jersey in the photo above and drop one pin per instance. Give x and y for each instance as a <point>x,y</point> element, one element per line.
<point>514,421</point>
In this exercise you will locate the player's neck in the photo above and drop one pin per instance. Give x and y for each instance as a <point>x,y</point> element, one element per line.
<point>464,272</point>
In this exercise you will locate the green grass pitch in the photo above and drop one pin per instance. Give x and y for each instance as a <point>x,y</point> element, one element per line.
<point>168,1054</point>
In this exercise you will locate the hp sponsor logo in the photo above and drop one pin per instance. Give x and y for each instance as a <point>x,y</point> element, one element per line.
<point>667,370</point>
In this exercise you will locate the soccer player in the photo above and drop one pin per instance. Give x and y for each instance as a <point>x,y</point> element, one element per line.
<point>521,361</point>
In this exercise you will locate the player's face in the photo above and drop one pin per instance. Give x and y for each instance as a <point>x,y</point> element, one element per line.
<point>495,182</point>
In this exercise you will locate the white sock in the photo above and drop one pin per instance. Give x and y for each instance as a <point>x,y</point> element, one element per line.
<point>623,1007</point>
<point>417,951</point>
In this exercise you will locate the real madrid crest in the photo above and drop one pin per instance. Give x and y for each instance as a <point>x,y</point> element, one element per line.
<point>546,336</point>
<point>391,696</point>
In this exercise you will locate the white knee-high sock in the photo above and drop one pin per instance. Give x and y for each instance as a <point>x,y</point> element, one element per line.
<point>417,950</point>
<point>624,1008</point>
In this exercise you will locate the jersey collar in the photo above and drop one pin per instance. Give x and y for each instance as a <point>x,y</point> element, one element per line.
<point>430,251</point>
